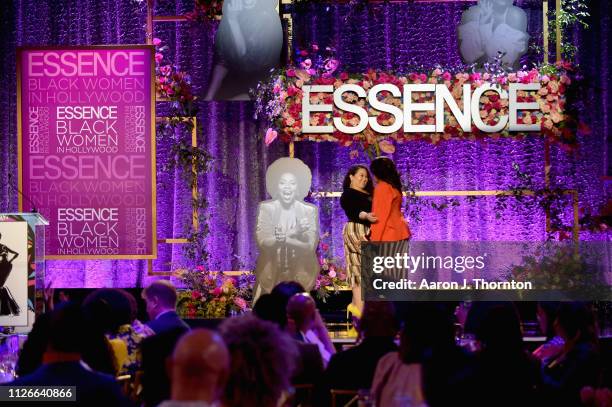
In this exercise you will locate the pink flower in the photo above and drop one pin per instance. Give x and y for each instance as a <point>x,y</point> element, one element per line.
<point>158,57</point>
<point>446,76</point>
<point>292,91</point>
<point>156,41</point>
<point>315,47</point>
<point>344,76</point>
<point>423,78</point>
<point>306,64</point>
<point>217,291</point>
<point>271,135</point>
<point>240,302</point>
<point>332,273</point>
<point>565,80</point>
<point>291,73</point>
<point>387,147</point>
<point>196,295</point>
<point>436,72</point>
<point>331,65</point>
<point>311,72</point>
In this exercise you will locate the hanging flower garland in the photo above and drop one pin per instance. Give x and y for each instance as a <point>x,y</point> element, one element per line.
<point>279,101</point>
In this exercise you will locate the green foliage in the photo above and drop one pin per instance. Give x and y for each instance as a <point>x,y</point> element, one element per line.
<point>573,13</point>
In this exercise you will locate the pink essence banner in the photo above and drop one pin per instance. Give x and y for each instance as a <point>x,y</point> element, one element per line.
<point>87,148</point>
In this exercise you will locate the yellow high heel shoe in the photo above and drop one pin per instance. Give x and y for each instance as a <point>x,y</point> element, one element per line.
<point>352,309</point>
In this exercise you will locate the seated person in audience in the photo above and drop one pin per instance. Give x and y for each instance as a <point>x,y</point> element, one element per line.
<point>198,370</point>
<point>398,377</point>
<point>596,397</point>
<point>283,292</point>
<point>504,367</point>
<point>306,325</point>
<point>547,314</point>
<point>114,311</point>
<point>448,371</point>
<point>96,350</point>
<point>578,365</point>
<point>309,365</point>
<point>160,298</point>
<point>63,364</point>
<point>353,369</point>
<point>156,350</point>
<point>262,362</point>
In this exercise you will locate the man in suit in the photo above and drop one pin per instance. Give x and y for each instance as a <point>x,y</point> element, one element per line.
<point>63,364</point>
<point>272,307</point>
<point>160,298</point>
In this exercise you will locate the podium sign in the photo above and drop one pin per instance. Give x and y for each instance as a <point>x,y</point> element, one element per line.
<point>21,266</point>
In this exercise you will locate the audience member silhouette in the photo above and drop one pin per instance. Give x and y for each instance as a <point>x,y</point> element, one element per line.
<point>160,298</point>
<point>199,368</point>
<point>353,369</point>
<point>63,363</point>
<point>578,365</point>
<point>503,365</point>
<point>262,362</point>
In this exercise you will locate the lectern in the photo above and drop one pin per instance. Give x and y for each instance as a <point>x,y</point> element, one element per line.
<point>22,268</point>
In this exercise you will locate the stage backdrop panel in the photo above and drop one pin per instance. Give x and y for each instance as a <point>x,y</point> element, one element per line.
<point>396,36</point>
<point>87,148</point>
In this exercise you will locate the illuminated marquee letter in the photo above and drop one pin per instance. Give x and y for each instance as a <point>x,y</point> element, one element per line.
<point>307,108</point>
<point>515,106</point>
<point>503,120</point>
<point>348,107</point>
<point>463,117</point>
<point>383,107</point>
<point>410,106</point>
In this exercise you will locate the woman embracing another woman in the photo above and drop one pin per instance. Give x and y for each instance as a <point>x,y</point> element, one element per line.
<point>374,214</point>
<point>390,228</point>
<point>356,200</point>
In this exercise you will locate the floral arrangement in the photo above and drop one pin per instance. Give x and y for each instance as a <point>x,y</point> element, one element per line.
<point>280,101</point>
<point>206,11</point>
<point>170,83</point>
<point>332,277</point>
<point>213,295</point>
<point>555,266</point>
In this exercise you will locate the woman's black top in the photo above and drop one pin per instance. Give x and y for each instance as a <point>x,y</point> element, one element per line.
<point>353,202</point>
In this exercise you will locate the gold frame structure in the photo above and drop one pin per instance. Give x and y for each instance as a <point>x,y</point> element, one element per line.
<point>283,4</point>
<point>148,46</point>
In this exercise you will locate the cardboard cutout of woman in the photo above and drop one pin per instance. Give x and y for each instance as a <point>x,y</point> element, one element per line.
<point>490,27</point>
<point>248,44</point>
<point>8,305</point>
<point>287,231</point>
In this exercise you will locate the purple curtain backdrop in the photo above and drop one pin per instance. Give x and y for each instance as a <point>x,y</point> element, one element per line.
<point>392,37</point>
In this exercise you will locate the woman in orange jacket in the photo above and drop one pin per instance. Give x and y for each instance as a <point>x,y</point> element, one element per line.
<point>387,208</point>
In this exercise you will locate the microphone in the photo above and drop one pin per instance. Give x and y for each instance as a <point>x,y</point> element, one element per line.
<point>20,193</point>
